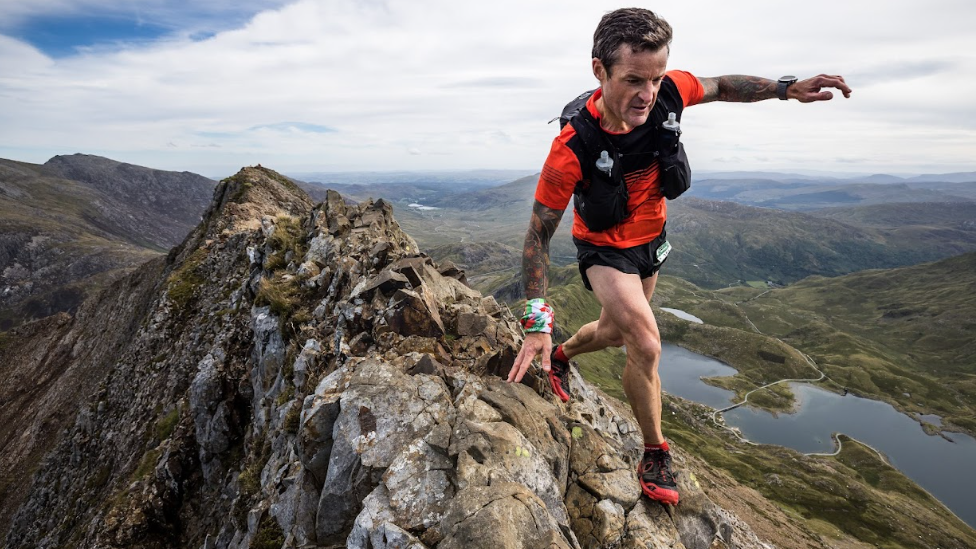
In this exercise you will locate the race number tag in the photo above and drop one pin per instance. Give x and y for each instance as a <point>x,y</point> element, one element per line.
<point>662,252</point>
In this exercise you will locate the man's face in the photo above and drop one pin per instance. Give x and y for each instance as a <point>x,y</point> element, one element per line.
<point>630,90</point>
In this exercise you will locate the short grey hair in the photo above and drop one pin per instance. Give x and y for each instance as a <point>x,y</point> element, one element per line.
<point>641,29</point>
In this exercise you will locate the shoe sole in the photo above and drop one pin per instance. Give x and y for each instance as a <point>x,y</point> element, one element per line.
<point>556,387</point>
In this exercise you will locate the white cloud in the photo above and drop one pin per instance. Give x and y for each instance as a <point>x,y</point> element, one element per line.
<point>14,55</point>
<point>441,84</point>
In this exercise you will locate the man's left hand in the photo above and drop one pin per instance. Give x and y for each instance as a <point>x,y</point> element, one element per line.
<point>811,89</point>
<point>534,344</point>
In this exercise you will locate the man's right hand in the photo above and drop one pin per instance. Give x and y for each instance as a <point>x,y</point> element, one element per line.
<point>533,344</point>
<point>809,90</point>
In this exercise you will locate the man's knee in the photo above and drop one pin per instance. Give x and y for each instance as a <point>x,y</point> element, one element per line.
<point>647,346</point>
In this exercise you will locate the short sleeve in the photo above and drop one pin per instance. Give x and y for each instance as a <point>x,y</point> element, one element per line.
<point>689,87</point>
<point>560,173</point>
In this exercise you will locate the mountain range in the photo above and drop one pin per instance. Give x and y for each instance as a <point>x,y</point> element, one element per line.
<point>74,224</point>
<point>294,374</point>
<point>299,376</point>
<point>716,243</point>
<point>955,177</point>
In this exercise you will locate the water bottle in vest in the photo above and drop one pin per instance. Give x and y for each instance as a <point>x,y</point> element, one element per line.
<point>671,134</point>
<point>604,163</point>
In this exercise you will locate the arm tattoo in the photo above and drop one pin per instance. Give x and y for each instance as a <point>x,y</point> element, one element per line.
<point>738,88</point>
<point>535,254</point>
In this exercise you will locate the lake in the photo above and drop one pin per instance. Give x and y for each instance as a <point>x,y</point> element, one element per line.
<point>683,315</point>
<point>941,466</point>
<point>681,372</point>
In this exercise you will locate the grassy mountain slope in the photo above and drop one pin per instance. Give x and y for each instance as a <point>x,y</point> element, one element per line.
<point>717,243</point>
<point>903,335</point>
<point>72,225</point>
<point>805,195</point>
<point>150,208</point>
<point>932,214</point>
<point>854,493</point>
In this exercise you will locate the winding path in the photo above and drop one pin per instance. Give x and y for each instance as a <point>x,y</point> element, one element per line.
<point>745,400</point>
<point>744,315</point>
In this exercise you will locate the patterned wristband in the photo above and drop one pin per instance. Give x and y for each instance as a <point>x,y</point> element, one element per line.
<point>538,316</point>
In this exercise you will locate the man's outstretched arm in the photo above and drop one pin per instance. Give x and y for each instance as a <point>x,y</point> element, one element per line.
<point>535,277</point>
<point>739,88</point>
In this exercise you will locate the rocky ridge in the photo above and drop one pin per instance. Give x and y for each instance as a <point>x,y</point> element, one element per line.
<point>299,376</point>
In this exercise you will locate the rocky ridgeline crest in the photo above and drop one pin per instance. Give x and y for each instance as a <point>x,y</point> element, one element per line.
<point>307,378</point>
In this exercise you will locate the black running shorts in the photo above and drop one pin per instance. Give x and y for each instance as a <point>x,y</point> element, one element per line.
<point>643,260</point>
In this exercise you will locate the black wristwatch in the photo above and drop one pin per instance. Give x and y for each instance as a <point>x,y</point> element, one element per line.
<point>783,83</point>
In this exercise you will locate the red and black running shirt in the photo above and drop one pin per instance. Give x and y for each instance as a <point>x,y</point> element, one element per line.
<point>647,206</point>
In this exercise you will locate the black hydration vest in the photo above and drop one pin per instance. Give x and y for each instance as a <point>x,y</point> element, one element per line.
<point>600,198</point>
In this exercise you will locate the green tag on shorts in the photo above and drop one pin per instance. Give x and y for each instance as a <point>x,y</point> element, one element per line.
<point>662,252</point>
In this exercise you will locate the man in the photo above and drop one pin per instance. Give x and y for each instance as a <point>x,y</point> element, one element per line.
<point>620,264</point>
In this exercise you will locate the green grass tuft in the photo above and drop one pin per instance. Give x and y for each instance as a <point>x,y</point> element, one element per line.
<point>167,424</point>
<point>269,534</point>
<point>148,464</point>
<point>293,418</point>
<point>183,283</point>
<point>280,295</point>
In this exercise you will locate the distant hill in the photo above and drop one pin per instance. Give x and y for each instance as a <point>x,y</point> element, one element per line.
<point>75,223</point>
<point>807,195</point>
<point>478,257</point>
<point>484,178</point>
<point>499,214</point>
<point>717,243</point>
<point>879,178</point>
<point>965,190</point>
<point>774,176</point>
<point>516,194</point>
<point>152,208</point>
<point>944,214</point>
<point>721,242</point>
<point>955,177</point>
<point>403,187</point>
<point>958,177</point>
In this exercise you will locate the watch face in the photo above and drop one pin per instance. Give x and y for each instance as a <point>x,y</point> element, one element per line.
<point>787,79</point>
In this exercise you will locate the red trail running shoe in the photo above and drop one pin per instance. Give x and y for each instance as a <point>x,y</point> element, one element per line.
<point>656,478</point>
<point>559,376</point>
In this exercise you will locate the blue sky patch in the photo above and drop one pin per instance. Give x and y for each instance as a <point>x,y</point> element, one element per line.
<point>64,34</point>
<point>61,36</point>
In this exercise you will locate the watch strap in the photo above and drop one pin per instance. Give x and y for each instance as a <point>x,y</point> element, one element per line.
<point>782,84</point>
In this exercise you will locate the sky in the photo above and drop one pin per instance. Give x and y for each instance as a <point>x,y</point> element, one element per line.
<point>373,85</point>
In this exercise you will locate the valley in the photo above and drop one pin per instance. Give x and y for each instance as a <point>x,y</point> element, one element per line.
<point>876,291</point>
<point>846,286</point>
<point>768,283</point>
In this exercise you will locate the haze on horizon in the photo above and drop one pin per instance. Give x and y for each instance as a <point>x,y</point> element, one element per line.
<point>346,85</point>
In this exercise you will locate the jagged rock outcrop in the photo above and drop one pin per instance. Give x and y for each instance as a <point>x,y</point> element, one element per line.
<point>306,378</point>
